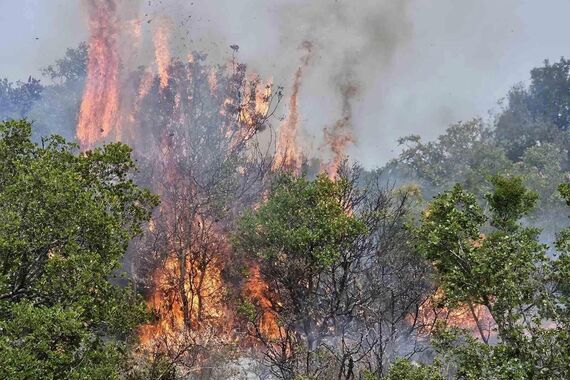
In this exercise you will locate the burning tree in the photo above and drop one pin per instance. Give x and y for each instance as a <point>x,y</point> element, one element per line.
<point>207,163</point>
<point>201,135</point>
<point>297,234</point>
<point>508,273</point>
<point>337,290</point>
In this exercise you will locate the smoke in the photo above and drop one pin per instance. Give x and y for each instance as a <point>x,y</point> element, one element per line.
<point>418,66</point>
<point>351,45</point>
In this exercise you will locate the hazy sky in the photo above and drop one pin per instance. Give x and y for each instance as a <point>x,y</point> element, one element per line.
<point>420,64</point>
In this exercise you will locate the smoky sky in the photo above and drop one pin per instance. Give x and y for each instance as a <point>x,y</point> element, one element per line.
<point>419,65</point>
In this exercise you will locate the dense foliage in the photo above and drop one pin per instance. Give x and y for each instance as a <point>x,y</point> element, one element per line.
<point>529,137</point>
<point>65,222</point>
<point>494,261</point>
<point>340,277</point>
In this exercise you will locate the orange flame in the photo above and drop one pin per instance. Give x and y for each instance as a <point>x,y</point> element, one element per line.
<point>287,153</point>
<point>212,79</point>
<point>162,52</point>
<point>202,289</point>
<point>251,111</point>
<point>100,103</point>
<point>187,288</point>
<point>127,128</point>
<point>256,289</point>
<point>258,105</point>
<point>474,318</point>
<point>101,114</point>
<point>339,136</point>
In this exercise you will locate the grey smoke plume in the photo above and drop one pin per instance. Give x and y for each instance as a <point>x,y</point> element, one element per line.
<point>418,65</point>
<point>352,42</point>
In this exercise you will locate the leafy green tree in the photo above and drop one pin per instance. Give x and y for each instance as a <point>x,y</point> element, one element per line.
<point>56,111</point>
<point>542,166</point>
<point>403,369</point>
<point>490,259</point>
<point>474,360</point>
<point>530,138</point>
<point>465,153</point>
<point>479,266</point>
<point>72,67</point>
<point>468,154</point>
<point>548,93</point>
<point>303,220</point>
<point>296,234</point>
<point>298,237</point>
<point>65,223</point>
<point>562,268</point>
<point>16,100</point>
<point>539,113</point>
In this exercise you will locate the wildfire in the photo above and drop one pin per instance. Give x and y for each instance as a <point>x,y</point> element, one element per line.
<point>202,288</point>
<point>474,318</point>
<point>131,108</point>
<point>252,111</point>
<point>256,290</point>
<point>100,103</point>
<point>187,290</point>
<point>212,79</point>
<point>288,154</point>
<point>339,136</point>
<point>162,52</point>
<point>257,105</point>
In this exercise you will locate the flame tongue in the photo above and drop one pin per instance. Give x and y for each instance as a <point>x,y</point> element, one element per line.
<point>100,104</point>
<point>256,289</point>
<point>287,154</point>
<point>340,135</point>
<point>162,52</point>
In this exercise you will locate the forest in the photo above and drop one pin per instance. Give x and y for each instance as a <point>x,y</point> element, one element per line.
<point>178,231</point>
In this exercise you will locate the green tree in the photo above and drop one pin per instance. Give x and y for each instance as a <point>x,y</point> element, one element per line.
<point>298,237</point>
<point>16,100</point>
<point>72,67</point>
<point>562,268</point>
<point>542,166</point>
<point>468,154</point>
<point>65,223</point>
<point>406,370</point>
<point>539,113</point>
<point>465,153</point>
<point>473,360</point>
<point>490,259</point>
<point>56,111</point>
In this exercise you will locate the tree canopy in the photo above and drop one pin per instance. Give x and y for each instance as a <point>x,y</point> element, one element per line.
<point>492,260</point>
<point>66,219</point>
